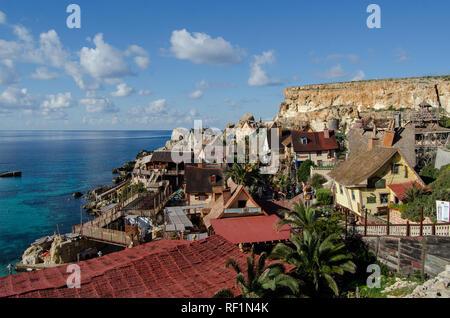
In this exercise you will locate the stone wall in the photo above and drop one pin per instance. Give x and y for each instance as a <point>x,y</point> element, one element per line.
<point>406,255</point>
<point>315,104</point>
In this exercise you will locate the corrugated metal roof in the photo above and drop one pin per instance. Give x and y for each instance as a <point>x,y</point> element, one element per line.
<point>250,229</point>
<point>160,269</point>
<point>178,221</point>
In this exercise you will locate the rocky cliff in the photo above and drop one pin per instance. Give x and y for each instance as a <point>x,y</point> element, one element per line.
<point>315,104</point>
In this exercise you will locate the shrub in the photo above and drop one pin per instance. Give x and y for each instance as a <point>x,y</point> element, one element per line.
<point>324,197</point>
<point>304,170</point>
<point>317,181</point>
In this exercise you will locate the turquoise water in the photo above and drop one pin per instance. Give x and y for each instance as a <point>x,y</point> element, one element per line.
<point>54,165</point>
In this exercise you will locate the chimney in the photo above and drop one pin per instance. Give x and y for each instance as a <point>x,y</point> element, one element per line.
<point>373,141</point>
<point>226,195</point>
<point>326,132</point>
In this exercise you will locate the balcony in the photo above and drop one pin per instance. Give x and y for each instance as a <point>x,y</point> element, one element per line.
<point>243,210</point>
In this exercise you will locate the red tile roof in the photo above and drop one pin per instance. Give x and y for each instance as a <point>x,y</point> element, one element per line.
<point>160,269</point>
<point>250,229</point>
<point>316,141</point>
<point>400,189</point>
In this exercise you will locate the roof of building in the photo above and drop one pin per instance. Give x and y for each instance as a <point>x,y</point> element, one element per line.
<point>400,189</point>
<point>159,269</point>
<point>403,139</point>
<point>218,206</point>
<point>178,220</point>
<point>360,166</point>
<point>316,141</point>
<point>198,179</point>
<point>250,229</point>
<point>169,156</point>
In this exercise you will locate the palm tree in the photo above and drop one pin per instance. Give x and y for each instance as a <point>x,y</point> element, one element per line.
<point>261,281</point>
<point>244,174</point>
<point>300,217</point>
<point>413,193</point>
<point>316,261</point>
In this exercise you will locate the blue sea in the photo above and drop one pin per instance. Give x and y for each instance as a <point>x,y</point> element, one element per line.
<point>54,165</point>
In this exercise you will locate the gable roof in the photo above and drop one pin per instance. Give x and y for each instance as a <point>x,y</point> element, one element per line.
<point>360,166</point>
<point>250,229</point>
<point>316,141</point>
<point>198,179</point>
<point>217,207</point>
<point>404,140</point>
<point>160,269</point>
<point>400,189</point>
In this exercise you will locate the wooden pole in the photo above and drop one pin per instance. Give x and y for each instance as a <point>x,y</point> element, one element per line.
<point>421,221</point>
<point>433,229</point>
<point>365,222</point>
<point>388,217</point>
<point>346,221</point>
<point>407,228</point>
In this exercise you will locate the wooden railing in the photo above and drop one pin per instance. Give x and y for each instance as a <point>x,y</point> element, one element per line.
<point>401,229</point>
<point>106,235</point>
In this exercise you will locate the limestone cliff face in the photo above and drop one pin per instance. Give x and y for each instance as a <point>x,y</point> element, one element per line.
<point>318,103</point>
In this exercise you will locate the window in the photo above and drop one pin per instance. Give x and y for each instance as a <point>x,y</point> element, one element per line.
<point>406,172</point>
<point>372,199</point>
<point>319,153</point>
<point>395,168</point>
<point>353,195</point>
<point>304,141</point>
<point>384,197</point>
<point>340,189</point>
<point>242,203</point>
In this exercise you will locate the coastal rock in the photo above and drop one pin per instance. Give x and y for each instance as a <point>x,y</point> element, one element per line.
<point>77,195</point>
<point>313,105</point>
<point>31,255</point>
<point>437,287</point>
<point>141,154</point>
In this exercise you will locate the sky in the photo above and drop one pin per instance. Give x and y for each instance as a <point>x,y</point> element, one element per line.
<point>143,64</point>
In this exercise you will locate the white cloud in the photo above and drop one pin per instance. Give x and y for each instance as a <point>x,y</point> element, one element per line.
<point>196,94</point>
<point>42,73</point>
<point>258,77</point>
<point>60,100</point>
<point>105,61</point>
<point>2,17</point>
<point>52,49</point>
<point>142,59</point>
<point>122,90</point>
<point>360,75</point>
<point>334,72</point>
<point>144,92</point>
<point>201,48</point>
<point>14,98</point>
<point>401,54</point>
<point>8,73</point>
<point>157,107</point>
<point>22,33</point>
<point>98,104</point>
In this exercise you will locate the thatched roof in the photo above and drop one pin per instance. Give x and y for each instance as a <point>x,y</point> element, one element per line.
<point>360,166</point>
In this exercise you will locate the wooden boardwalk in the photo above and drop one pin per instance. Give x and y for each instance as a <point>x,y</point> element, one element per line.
<point>142,204</point>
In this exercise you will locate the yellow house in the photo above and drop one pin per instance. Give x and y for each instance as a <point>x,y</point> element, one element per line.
<point>366,180</point>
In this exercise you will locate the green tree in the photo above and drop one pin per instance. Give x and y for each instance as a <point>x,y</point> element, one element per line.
<point>317,261</point>
<point>324,197</point>
<point>304,170</point>
<point>317,181</point>
<point>261,281</point>
<point>300,217</point>
<point>244,174</point>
